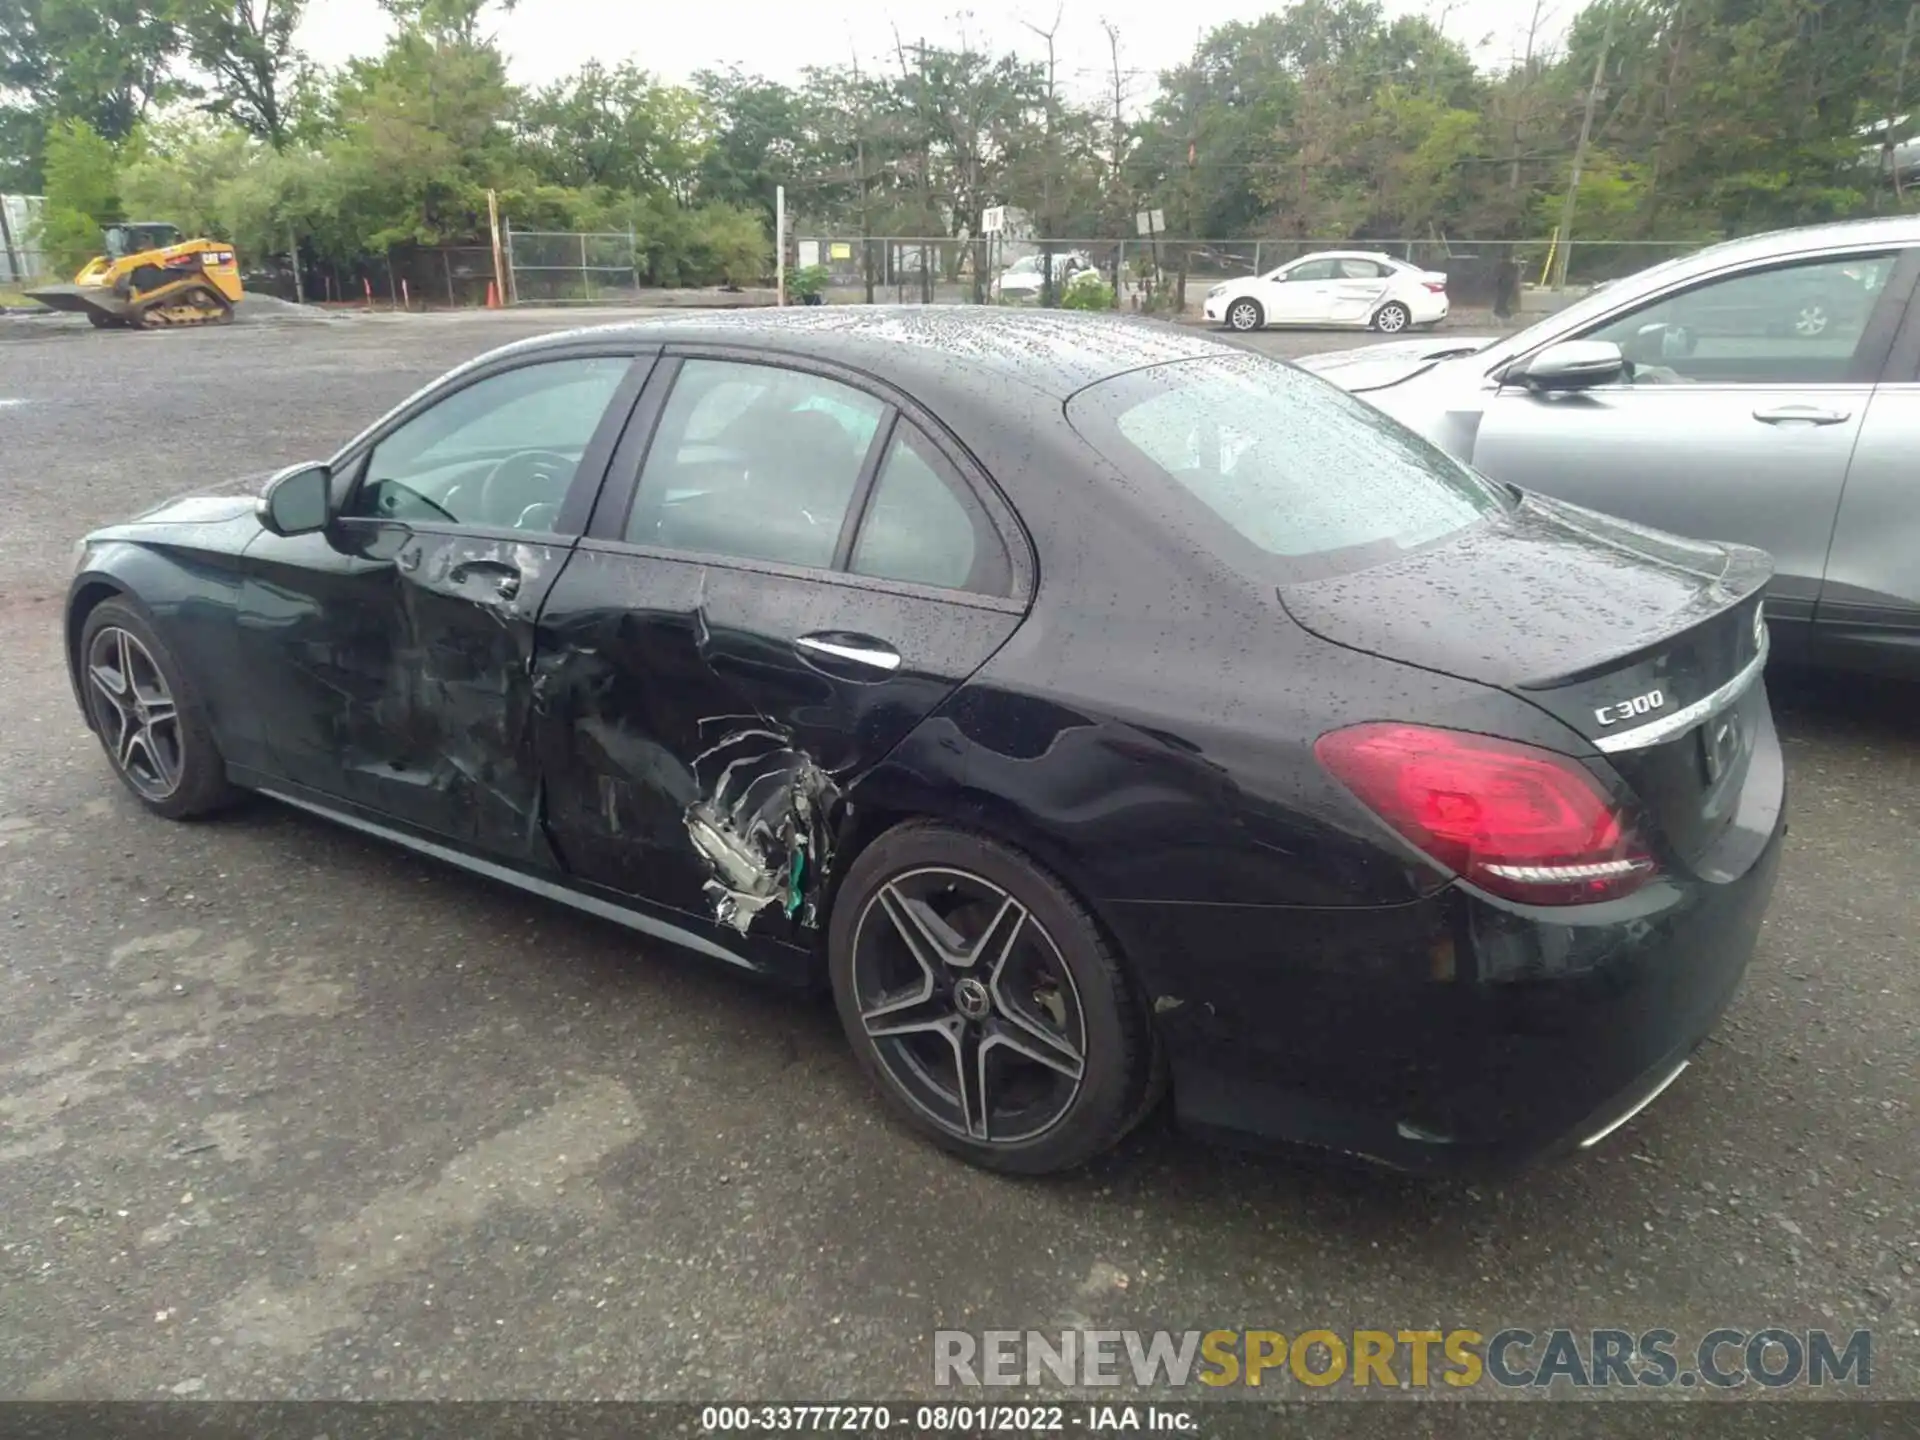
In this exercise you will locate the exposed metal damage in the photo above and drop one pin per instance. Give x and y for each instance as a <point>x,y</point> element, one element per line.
<point>765,824</point>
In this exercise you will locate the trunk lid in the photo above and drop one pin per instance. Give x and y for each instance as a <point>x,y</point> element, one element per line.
<point>1645,644</point>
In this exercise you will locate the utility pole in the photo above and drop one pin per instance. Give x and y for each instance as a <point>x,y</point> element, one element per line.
<point>1890,143</point>
<point>1115,182</point>
<point>1580,150</point>
<point>1186,208</point>
<point>860,171</point>
<point>1048,287</point>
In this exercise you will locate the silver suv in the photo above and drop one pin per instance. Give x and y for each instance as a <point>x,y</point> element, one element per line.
<point>1764,390</point>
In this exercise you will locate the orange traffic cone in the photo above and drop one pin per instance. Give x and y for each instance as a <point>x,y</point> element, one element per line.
<point>493,296</point>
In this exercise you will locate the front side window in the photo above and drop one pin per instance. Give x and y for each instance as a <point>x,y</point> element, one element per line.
<point>1312,478</point>
<point>1787,324</point>
<point>1312,270</point>
<point>922,524</point>
<point>756,462</point>
<point>500,452</point>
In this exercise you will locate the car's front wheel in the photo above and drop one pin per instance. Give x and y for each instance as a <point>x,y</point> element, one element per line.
<point>148,716</point>
<point>984,1002</point>
<point>1245,315</point>
<point>1391,318</point>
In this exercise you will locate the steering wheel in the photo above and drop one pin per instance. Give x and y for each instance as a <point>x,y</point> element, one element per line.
<point>527,477</point>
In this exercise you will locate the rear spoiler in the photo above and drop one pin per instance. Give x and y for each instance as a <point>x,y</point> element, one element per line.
<point>1744,575</point>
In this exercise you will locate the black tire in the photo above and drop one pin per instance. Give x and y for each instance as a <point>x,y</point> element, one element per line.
<point>199,785</point>
<point>1245,315</point>
<point>1117,1081</point>
<point>101,322</point>
<point>1392,318</point>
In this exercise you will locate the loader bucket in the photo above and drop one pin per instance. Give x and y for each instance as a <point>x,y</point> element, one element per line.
<point>88,300</point>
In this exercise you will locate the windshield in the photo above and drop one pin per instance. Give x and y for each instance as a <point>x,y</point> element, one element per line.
<point>1309,477</point>
<point>1028,265</point>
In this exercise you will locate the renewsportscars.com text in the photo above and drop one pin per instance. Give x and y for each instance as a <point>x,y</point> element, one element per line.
<point>1770,1356</point>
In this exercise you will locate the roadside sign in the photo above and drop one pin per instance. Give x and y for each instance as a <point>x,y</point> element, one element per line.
<point>1151,222</point>
<point>993,219</point>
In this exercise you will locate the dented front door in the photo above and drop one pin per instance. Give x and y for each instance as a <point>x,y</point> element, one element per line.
<point>393,652</point>
<point>394,663</point>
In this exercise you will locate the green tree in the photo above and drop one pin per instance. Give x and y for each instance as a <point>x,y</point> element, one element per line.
<point>424,131</point>
<point>104,62</point>
<point>213,178</point>
<point>617,128</point>
<point>246,48</point>
<point>82,193</point>
<point>754,142</point>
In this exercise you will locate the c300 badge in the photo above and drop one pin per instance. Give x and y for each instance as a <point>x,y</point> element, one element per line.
<point>1628,709</point>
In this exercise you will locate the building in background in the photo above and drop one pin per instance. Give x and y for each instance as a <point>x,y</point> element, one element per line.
<point>20,254</point>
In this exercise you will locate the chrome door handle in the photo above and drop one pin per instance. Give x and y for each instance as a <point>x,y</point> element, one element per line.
<point>1801,414</point>
<point>869,652</point>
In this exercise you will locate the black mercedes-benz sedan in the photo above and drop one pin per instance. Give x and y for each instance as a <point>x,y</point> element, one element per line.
<point>1094,708</point>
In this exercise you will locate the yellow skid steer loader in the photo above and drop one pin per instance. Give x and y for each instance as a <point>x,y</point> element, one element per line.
<point>150,278</point>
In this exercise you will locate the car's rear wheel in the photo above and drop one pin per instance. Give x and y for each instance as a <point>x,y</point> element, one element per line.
<point>149,718</point>
<point>984,1002</point>
<point>1391,318</point>
<point>1245,315</point>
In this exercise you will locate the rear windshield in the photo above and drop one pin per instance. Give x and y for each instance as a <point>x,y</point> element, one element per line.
<point>1293,466</point>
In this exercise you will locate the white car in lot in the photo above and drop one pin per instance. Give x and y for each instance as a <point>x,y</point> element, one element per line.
<point>1025,279</point>
<point>1360,288</point>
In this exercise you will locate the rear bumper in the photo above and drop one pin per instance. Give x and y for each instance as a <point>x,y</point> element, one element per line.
<point>1457,1032</point>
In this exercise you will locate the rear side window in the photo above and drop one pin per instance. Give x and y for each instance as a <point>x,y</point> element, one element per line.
<point>923,526</point>
<point>1306,474</point>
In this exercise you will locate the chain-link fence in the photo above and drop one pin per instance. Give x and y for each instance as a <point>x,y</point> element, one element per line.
<point>408,277</point>
<point>547,267</point>
<point>1150,274</point>
<point>1153,275</point>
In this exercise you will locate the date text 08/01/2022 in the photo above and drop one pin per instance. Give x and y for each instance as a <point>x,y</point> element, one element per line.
<point>947,1419</point>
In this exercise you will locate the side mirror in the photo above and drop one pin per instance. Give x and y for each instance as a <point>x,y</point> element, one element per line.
<point>1570,365</point>
<point>297,501</point>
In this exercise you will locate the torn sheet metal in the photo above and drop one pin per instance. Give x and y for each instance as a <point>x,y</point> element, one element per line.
<point>764,824</point>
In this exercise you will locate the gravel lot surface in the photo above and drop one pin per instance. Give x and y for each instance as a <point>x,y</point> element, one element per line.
<point>286,1112</point>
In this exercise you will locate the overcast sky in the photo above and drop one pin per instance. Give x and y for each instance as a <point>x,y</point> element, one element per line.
<point>545,39</point>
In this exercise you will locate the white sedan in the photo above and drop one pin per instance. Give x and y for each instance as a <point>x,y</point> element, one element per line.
<point>1333,287</point>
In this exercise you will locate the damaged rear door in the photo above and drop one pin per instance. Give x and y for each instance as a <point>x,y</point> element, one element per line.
<point>394,651</point>
<point>786,573</point>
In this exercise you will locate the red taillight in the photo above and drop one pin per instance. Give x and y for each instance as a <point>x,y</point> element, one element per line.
<point>1438,287</point>
<point>1515,820</point>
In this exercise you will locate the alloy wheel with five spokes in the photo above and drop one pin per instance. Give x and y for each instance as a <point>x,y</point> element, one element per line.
<point>134,709</point>
<point>969,1006</point>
